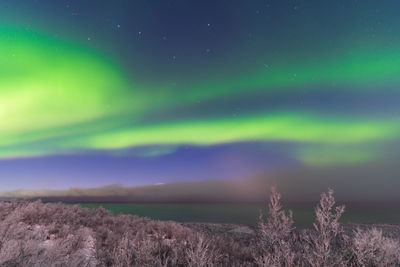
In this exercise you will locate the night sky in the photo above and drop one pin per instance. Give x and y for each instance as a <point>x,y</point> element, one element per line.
<point>143,92</point>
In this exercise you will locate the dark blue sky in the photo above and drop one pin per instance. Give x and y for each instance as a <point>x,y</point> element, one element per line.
<point>141,92</point>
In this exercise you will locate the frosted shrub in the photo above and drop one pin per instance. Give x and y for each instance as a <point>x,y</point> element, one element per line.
<point>323,242</point>
<point>136,251</point>
<point>201,253</point>
<point>274,235</point>
<point>371,248</point>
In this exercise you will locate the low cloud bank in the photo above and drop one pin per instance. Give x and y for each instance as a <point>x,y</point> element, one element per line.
<point>370,183</point>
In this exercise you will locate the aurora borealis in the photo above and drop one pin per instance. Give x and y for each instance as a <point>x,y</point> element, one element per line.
<point>140,92</point>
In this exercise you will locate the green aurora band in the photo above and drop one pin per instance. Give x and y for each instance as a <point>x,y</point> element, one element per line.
<point>46,83</point>
<point>365,68</point>
<point>273,127</point>
<point>62,97</point>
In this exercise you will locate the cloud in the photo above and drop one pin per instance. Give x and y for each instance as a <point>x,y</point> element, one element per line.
<point>368,183</point>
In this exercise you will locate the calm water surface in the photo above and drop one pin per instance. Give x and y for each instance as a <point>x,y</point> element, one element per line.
<point>246,214</point>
